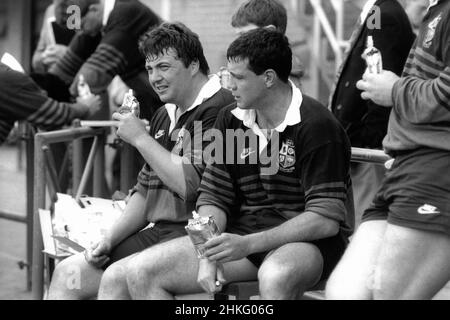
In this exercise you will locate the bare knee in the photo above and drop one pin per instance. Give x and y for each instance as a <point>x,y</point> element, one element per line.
<point>66,280</point>
<point>275,282</point>
<point>113,280</point>
<point>140,271</point>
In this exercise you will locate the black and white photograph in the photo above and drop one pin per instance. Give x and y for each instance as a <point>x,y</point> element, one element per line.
<point>226,155</point>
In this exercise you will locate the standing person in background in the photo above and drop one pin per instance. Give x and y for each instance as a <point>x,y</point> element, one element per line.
<point>22,99</point>
<point>254,14</point>
<point>108,46</point>
<point>364,121</point>
<point>48,51</point>
<point>402,247</point>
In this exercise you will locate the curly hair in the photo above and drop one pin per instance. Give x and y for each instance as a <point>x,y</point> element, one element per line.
<point>178,37</point>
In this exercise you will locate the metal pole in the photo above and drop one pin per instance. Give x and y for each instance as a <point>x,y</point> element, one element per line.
<point>99,167</point>
<point>77,163</point>
<point>87,169</point>
<point>315,63</point>
<point>369,156</point>
<point>12,216</point>
<point>39,202</point>
<point>29,145</point>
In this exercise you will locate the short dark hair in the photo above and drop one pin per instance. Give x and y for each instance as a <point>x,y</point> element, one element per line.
<point>174,36</point>
<point>264,49</point>
<point>261,13</point>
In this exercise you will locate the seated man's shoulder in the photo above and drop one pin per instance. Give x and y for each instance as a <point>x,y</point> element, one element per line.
<point>318,119</point>
<point>226,118</point>
<point>313,110</point>
<point>225,96</point>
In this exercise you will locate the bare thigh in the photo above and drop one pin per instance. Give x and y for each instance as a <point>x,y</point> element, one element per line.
<point>412,264</point>
<point>173,265</point>
<point>353,275</point>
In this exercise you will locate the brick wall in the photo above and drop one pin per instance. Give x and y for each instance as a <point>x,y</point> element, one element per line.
<point>211,20</point>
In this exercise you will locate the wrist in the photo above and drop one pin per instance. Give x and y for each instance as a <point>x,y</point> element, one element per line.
<point>250,243</point>
<point>80,110</point>
<point>141,140</point>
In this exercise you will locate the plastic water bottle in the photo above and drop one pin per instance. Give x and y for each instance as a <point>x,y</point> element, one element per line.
<point>200,230</point>
<point>225,78</point>
<point>373,57</point>
<point>130,104</point>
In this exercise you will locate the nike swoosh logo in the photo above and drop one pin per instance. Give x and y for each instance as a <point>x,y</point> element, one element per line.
<point>159,135</point>
<point>246,154</point>
<point>427,209</point>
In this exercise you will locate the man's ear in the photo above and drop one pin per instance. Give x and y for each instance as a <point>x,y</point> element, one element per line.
<point>270,27</point>
<point>269,77</point>
<point>195,67</point>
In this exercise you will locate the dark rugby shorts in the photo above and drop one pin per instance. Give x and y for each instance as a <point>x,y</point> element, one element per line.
<point>331,248</point>
<point>415,192</point>
<point>159,233</point>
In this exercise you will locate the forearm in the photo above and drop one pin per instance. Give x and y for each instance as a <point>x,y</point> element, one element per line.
<point>131,221</point>
<point>36,62</point>
<point>168,166</point>
<point>423,101</point>
<point>305,227</point>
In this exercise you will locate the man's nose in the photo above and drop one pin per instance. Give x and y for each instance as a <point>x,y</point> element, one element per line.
<point>155,76</point>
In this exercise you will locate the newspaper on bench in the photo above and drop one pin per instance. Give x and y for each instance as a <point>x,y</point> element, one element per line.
<point>75,226</point>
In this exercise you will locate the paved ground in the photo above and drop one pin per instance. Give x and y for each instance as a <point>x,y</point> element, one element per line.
<point>13,234</point>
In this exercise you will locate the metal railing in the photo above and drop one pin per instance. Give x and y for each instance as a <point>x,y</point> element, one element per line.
<point>43,177</point>
<point>335,37</point>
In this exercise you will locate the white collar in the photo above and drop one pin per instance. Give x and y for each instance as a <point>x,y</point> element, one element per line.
<point>210,88</point>
<point>108,6</point>
<point>366,9</point>
<point>292,117</point>
<point>432,3</point>
<point>248,117</point>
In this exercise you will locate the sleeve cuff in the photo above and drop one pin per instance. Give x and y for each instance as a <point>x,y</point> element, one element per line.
<point>206,199</point>
<point>330,208</point>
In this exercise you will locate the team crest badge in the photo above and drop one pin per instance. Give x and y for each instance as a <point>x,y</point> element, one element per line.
<point>287,156</point>
<point>431,31</point>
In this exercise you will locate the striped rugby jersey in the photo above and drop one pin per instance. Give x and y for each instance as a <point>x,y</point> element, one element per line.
<point>313,173</point>
<point>22,99</point>
<point>162,204</point>
<point>421,112</point>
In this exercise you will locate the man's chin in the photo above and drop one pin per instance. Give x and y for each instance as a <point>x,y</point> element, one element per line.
<point>242,106</point>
